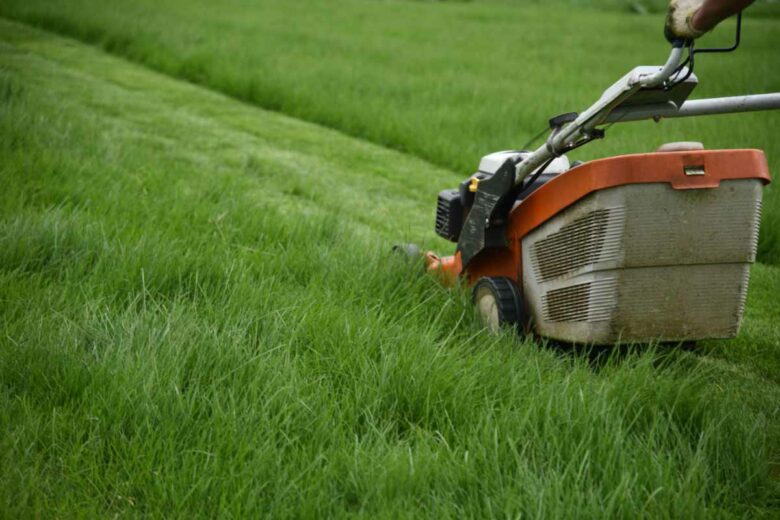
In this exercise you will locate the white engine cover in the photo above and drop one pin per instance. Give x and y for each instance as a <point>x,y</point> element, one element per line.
<point>492,162</point>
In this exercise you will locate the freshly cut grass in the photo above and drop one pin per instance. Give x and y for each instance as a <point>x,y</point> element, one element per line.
<point>199,317</point>
<point>448,82</point>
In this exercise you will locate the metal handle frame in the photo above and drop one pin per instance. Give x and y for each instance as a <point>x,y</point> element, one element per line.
<point>584,128</point>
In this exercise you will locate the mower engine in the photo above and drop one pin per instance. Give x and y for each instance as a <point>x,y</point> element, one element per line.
<point>452,203</point>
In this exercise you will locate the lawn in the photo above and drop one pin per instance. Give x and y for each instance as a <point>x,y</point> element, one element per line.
<point>199,315</point>
<point>445,81</point>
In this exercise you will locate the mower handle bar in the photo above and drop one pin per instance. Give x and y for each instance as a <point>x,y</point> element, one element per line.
<point>697,107</point>
<point>607,110</point>
<point>586,122</point>
<point>662,75</point>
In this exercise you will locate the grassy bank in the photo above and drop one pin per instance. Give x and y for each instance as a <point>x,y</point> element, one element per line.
<point>447,82</point>
<point>194,321</point>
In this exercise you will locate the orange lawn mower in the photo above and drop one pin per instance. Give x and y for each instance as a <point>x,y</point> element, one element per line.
<point>634,248</point>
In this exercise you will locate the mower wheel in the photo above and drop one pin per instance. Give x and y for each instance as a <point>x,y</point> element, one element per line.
<point>500,304</point>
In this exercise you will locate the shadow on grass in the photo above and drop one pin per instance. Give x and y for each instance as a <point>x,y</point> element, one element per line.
<point>600,356</point>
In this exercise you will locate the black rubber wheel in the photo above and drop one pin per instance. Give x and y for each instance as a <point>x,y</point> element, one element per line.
<point>500,304</point>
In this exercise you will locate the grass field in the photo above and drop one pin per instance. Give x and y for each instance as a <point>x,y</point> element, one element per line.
<point>198,314</point>
<point>447,82</point>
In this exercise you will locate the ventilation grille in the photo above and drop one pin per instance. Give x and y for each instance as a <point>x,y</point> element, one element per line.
<point>449,215</point>
<point>588,239</point>
<point>587,302</point>
<point>442,218</point>
<point>743,290</point>
<point>754,235</point>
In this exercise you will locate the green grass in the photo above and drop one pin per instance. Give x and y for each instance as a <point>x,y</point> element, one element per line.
<point>199,317</point>
<point>447,82</point>
<point>760,8</point>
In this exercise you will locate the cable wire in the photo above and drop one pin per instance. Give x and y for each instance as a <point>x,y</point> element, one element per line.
<point>534,138</point>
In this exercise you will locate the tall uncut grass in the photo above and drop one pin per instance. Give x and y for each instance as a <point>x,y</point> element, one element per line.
<point>199,317</point>
<point>446,81</point>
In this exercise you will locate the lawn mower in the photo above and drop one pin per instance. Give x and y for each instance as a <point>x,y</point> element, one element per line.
<point>633,248</point>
